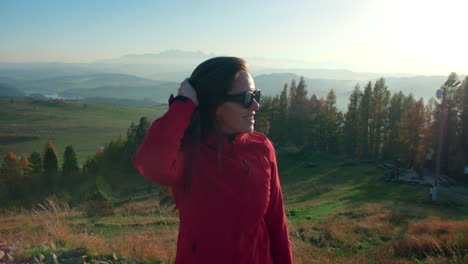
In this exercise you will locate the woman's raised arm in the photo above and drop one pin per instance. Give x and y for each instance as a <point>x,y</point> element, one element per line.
<point>159,157</point>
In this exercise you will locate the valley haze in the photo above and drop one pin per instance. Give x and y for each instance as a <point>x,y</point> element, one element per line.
<point>153,77</point>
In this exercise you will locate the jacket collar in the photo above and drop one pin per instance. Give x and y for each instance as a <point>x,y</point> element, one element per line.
<point>212,139</point>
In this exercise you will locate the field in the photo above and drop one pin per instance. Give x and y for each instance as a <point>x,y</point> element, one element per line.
<point>338,212</point>
<point>27,124</point>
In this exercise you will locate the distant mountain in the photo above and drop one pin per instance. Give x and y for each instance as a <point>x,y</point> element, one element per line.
<point>334,74</point>
<point>7,90</point>
<point>151,76</point>
<point>420,86</point>
<point>169,56</point>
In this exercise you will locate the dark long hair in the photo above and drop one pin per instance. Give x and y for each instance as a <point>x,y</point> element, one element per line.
<point>212,80</point>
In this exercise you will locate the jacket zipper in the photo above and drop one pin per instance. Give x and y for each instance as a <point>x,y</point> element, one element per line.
<point>247,165</point>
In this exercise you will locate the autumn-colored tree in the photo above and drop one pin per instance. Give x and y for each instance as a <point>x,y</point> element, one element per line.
<point>25,165</point>
<point>11,171</point>
<point>392,146</point>
<point>412,131</point>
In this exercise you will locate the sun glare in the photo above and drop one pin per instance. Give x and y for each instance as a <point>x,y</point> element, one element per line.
<point>429,33</point>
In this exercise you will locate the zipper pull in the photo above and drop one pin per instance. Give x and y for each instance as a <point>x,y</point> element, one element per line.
<point>247,165</point>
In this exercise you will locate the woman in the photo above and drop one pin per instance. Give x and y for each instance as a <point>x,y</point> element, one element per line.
<point>223,175</point>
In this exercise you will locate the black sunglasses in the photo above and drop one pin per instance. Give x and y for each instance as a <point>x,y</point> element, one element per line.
<point>245,98</point>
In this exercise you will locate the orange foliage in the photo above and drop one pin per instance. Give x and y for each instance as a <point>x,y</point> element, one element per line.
<point>25,164</point>
<point>10,157</point>
<point>49,145</point>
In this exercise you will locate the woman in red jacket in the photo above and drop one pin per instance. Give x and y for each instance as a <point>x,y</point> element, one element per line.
<point>222,173</point>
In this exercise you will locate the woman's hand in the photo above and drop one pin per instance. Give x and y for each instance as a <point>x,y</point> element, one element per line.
<point>187,90</point>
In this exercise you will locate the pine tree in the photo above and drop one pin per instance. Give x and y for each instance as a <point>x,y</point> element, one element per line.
<point>50,165</point>
<point>330,125</point>
<point>283,102</point>
<point>135,135</point>
<point>36,162</point>
<point>364,105</point>
<point>451,123</point>
<point>378,113</point>
<point>299,102</point>
<point>50,161</point>
<point>351,122</point>
<point>313,127</point>
<point>392,146</point>
<point>70,163</point>
<point>412,130</point>
<point>267,112</point>
<point>279,124</point>
<point>298,113</point>
<point>142,129</point>
<point>464,121</point>
<point>292,95</point>
<point>456,162</point>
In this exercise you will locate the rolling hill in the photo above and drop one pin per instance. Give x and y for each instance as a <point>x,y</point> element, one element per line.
<point>66,123</point>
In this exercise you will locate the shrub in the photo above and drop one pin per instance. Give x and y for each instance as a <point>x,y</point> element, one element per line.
<point>96,208</point>
<point>294,212</point>
<point>98,205</point>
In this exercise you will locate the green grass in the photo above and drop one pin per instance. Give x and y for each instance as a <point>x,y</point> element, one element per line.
<point>338,183</point>
<point>338,212</point>
<point>66,123</point>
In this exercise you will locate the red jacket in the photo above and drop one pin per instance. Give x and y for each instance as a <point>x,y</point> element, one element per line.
<point>235,216</point>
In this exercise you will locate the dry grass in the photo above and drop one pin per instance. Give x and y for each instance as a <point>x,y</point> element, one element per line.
<point>52,215</point>
<point>53,221</point>
<point>436,226</point>
<point>435,240</point>
<point>143,230</point>
<point>146,244</point>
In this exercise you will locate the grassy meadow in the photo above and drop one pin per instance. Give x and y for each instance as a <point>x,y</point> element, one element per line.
<point>338,212</point>
<point>27,124</point>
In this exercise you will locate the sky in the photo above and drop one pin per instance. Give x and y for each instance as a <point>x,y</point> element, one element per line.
<point>394,36</point>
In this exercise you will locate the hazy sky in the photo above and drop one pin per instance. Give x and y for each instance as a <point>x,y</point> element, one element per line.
<point>412,36</point>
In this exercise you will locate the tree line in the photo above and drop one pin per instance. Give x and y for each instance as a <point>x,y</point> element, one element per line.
<point>32,178</point>
<point>377,125</point>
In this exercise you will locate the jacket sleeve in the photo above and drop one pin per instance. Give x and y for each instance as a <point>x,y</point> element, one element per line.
<point>158,157</point>
<point>275,218</point>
